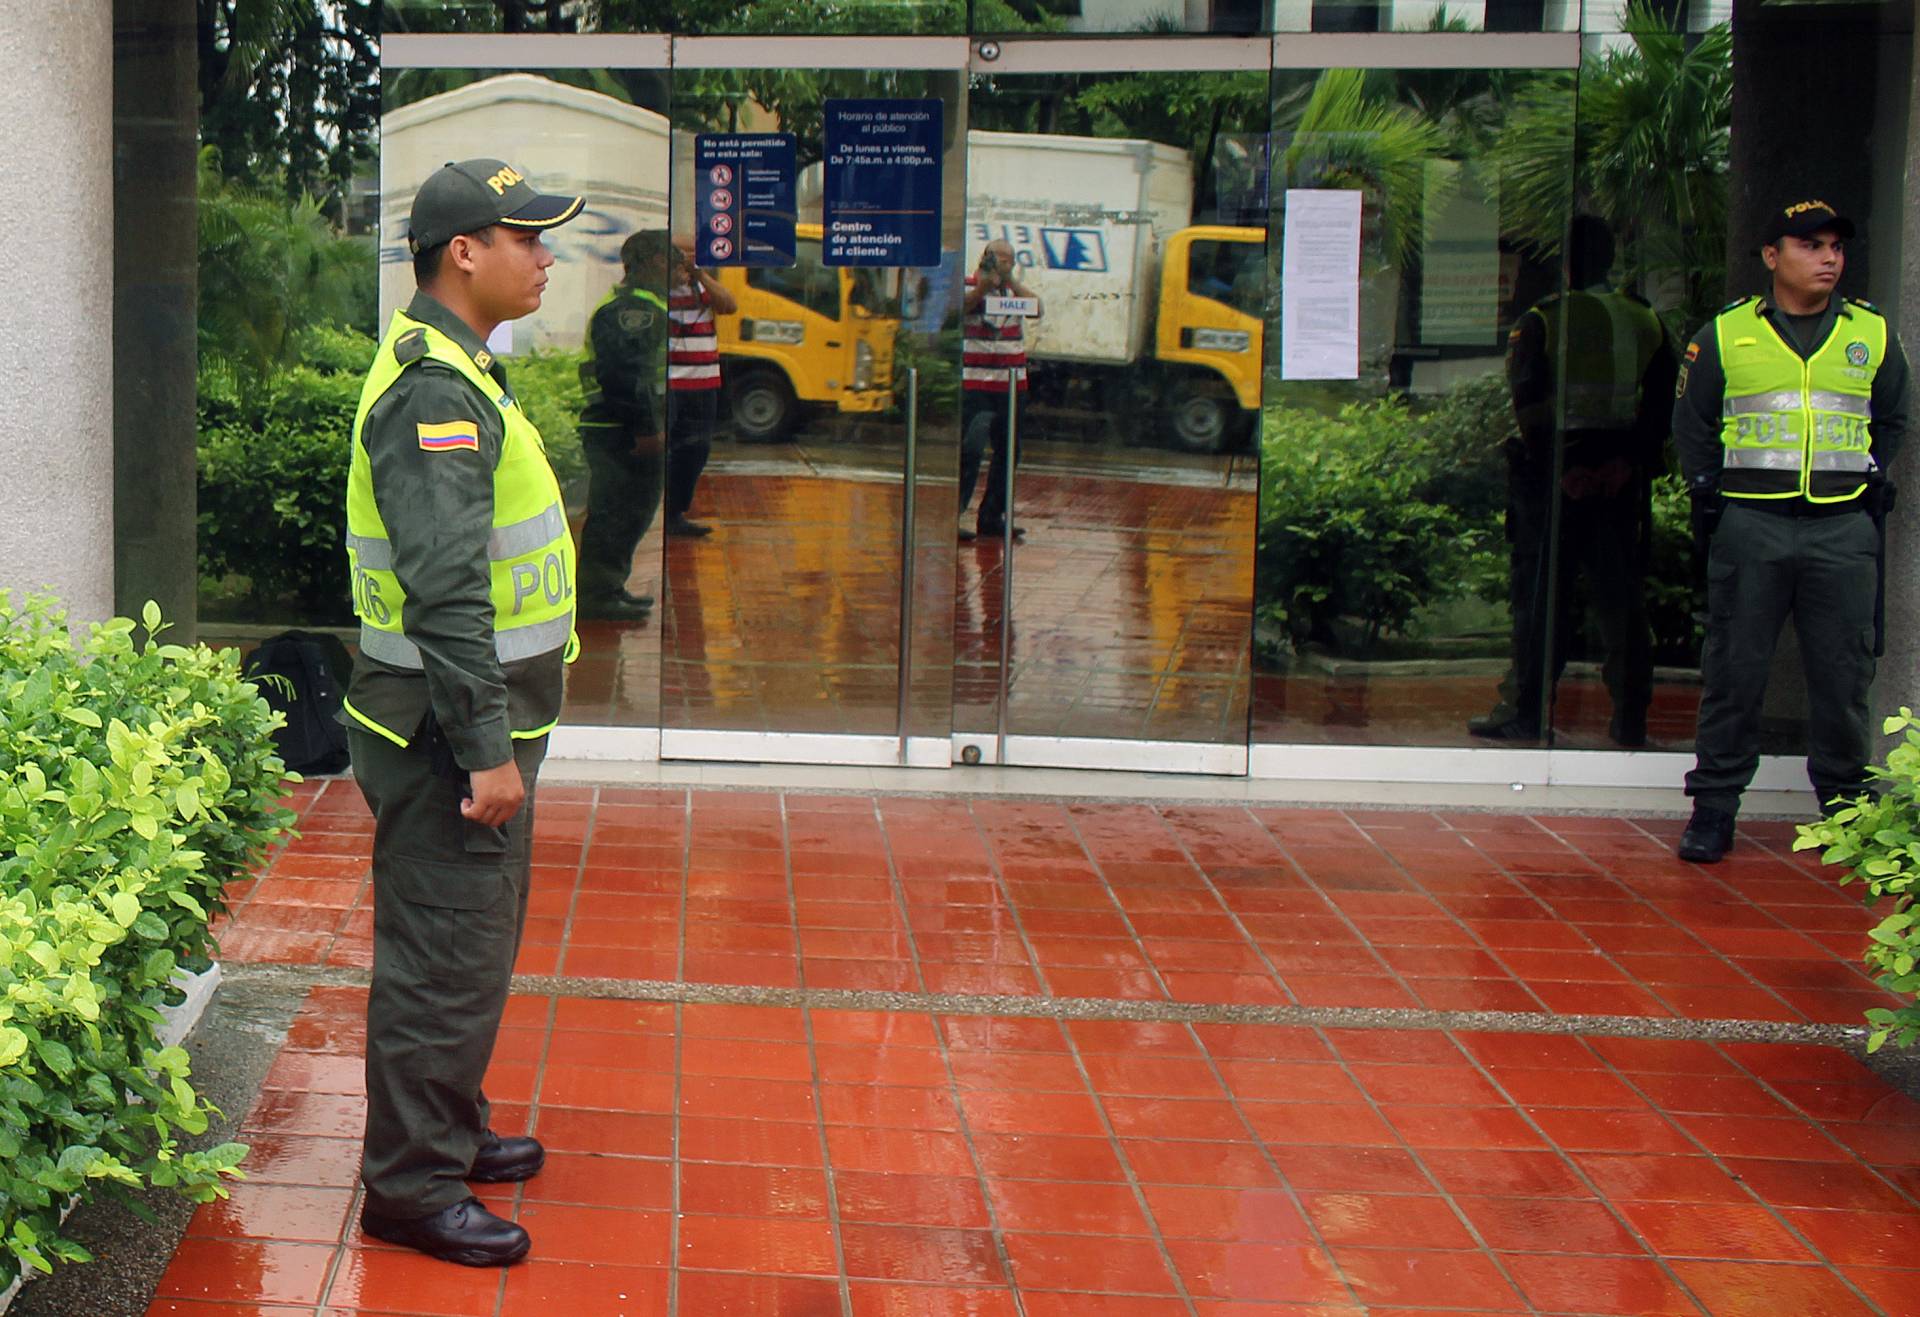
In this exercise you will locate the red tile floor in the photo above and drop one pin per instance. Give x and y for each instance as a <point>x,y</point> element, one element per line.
<point>801,1054</point>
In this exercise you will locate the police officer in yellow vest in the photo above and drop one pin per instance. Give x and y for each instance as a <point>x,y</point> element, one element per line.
<point>1788,410</point>
<point>463,580</point>
<point>1609,355</point>
<point>622,424</point>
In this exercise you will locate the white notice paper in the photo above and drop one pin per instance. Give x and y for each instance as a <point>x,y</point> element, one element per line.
<point>1320,285</point>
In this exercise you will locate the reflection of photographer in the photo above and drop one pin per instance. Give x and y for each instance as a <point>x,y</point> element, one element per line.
<point>1619,369</point>
<point>993,374</point>
<point>694,298</point>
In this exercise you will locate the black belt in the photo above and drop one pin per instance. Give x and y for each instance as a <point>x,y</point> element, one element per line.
<point>1798,507</point>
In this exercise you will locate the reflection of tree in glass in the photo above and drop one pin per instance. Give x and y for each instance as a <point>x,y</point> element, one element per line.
<point>1649,154</point>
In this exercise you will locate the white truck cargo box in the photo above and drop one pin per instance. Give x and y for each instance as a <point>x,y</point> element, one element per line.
<point>1086,217</point>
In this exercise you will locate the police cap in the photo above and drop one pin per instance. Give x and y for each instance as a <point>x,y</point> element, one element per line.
<point>1800,216</point>
<point>471,195</point>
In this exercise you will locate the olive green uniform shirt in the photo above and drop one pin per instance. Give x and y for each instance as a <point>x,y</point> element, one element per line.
<point>438,511</point>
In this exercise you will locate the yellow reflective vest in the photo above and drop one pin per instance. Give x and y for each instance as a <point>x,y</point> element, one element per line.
<point>1611,339</point>
<point>530,550</point>
<point>1793,427</point>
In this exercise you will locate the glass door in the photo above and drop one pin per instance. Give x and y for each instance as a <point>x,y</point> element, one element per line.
<point>1111,366</point>
<point>816,217</point>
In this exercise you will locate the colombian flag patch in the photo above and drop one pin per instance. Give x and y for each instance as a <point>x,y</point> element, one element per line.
<point>446,436</point>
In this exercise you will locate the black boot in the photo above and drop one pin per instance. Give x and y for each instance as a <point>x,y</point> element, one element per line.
<point>466,1233</point>
<point>502,1161</point>
<point>1709,835</point>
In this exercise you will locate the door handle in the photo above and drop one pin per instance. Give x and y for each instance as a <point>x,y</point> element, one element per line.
<point>833,342</point>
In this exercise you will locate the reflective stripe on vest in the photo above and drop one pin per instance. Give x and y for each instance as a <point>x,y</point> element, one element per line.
<point>1793,427</point>
<point>529,549</point>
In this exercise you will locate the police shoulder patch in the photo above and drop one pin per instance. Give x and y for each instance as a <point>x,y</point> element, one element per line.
<point>410,347</point>
<point>1864,305</point>
<point>633,319</point>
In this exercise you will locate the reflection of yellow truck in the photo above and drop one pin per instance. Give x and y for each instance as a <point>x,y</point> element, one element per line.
<point>1135,298</point>
<point>808,337</point>
<point>1099,229</point>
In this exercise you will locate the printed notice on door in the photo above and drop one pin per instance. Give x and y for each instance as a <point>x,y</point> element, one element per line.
<point>1320,285</point>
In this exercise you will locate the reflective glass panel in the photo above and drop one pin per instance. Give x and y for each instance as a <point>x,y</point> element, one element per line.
<point>783,586</point>
<point>602,134</point>
<point>1387,559</point>
<point>1116,247</point>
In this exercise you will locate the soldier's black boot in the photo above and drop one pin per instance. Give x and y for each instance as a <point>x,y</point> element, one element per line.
<point>1708,837</point>
<point>466,1233</point>
<point>502,1161</point>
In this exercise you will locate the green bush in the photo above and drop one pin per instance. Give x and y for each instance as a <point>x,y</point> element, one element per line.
<point>1878,840</point>
<point>139,781</point>
<point>273,458</point>
<point>1354,527</point>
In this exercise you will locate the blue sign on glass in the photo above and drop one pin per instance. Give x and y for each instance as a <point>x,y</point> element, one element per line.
<point>881,202</point>
<point>743,199</point>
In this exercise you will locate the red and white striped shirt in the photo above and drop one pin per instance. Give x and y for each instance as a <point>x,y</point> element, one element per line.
<point>994,351</point>
<point>693,345</point>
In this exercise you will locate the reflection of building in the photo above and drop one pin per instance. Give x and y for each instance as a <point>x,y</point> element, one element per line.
<point>578,141</point>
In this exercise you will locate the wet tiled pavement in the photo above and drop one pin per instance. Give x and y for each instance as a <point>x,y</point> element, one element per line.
<point>802,1054</point>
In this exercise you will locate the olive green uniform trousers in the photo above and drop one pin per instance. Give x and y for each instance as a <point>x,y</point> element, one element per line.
<point>450,902</point>
<point>1761,567</point>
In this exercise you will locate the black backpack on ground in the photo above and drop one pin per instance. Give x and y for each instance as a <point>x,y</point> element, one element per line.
<point>295,671</point>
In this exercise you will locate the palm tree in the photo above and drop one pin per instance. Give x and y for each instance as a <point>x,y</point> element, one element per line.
<point>1649,154</point>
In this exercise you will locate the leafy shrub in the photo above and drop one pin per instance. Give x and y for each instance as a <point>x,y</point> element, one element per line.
<point>1351,522</point>
<point>139,781</point>
<point>1878,839</point>
<point>273,461</point>
<point>273,486</point>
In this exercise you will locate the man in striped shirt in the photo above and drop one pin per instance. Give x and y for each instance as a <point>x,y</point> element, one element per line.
<point>993,366</point>
<point>693,381</point>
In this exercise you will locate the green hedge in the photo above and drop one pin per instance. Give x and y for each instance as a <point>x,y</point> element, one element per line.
<point>273,457</point>
<point>140,779</point>
<point>1376,511</point>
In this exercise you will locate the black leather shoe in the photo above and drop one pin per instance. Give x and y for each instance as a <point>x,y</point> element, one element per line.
<point>685,526</point>
<point>995,530</point>
<point>632,600</point>
<point>1503,729</point>
<point>614,608</point>
<point>1708,837</point>
<point>466,1233</point>
<point>967,535</point>
<point>502,1161</point>
<point>1628,730</point>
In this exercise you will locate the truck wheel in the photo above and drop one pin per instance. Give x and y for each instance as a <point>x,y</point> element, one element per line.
<point>763,406</point>
<point>1202,418</point>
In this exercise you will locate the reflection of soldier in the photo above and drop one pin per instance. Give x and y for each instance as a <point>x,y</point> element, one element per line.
<point>993,366</point>
<point>1789,409</point>
<point>620,427</point>
<point>1619,369</point>
<point>693,382</point>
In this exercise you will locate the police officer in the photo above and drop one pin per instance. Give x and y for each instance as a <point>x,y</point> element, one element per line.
<point>1788,410</point>
<point>463,576</point>
<point>620,427</point>
<point>1619,371</point>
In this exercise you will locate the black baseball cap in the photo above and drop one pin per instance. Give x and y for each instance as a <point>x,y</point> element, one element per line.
<point>471,195</point>
<point>1802,216</point>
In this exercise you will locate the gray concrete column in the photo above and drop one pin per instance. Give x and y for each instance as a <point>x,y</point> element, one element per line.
<point>56,320</point>
<point>1899,677</point>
